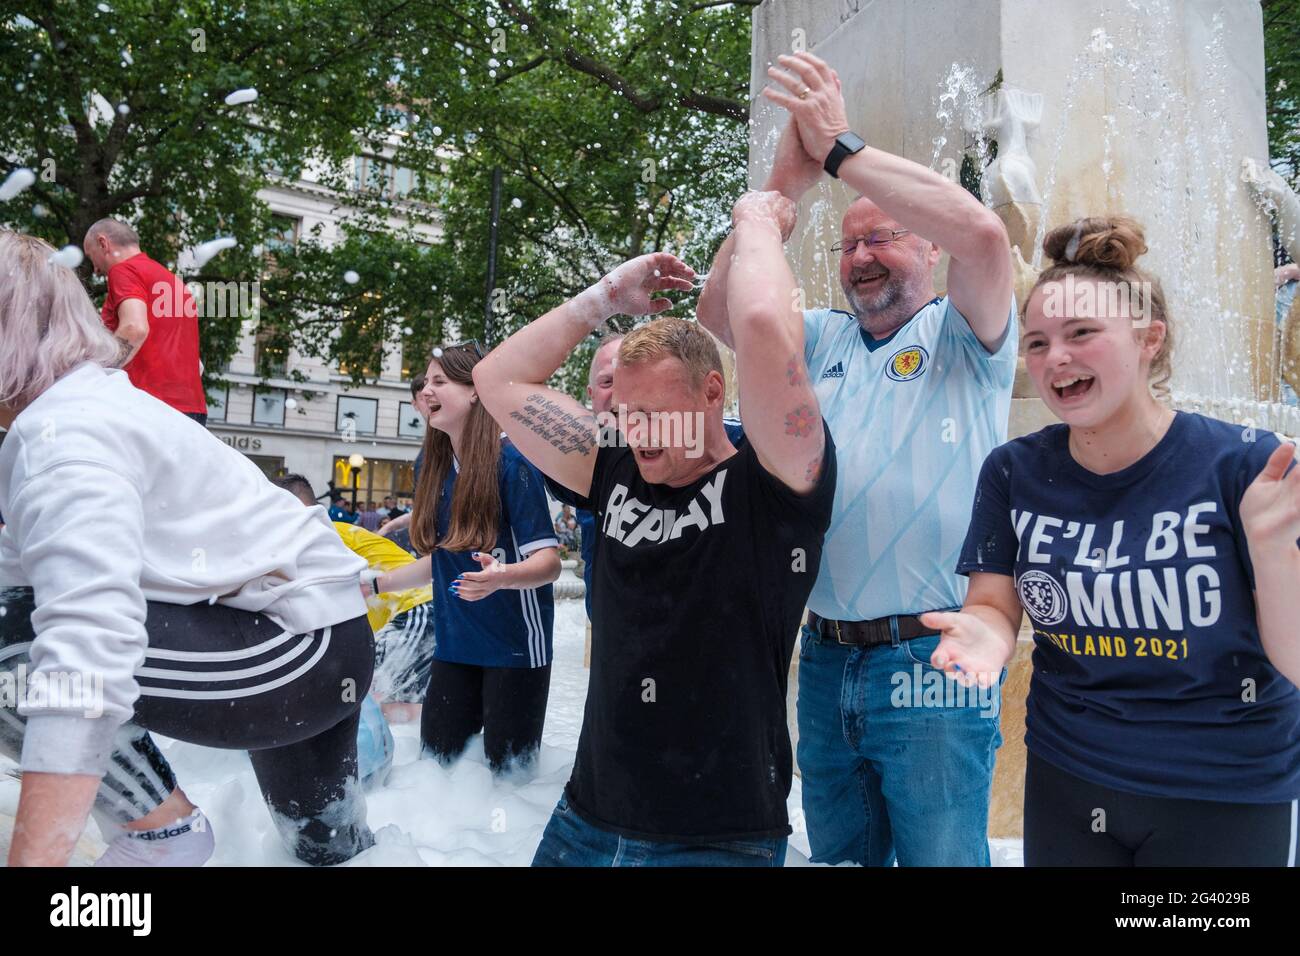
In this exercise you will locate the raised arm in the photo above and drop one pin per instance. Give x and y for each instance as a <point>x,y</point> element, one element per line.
<point>793,173</point>
<point>555,432</point>
<point>782,419</point>
<point>980,277</point>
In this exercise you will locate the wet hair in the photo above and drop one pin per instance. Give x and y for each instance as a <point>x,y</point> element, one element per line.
<point>676,338</point>
<point>298,485</point>
<point>1107,248</point>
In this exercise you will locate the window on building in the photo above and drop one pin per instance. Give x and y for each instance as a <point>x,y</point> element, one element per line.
<point>271,467</point>
<point>271,352</point>
<point>357,416</point>
<point>268,407</point>
<point>377,479</point>
<point>284,234</point>
<point>371,174</point>
<point>409,422</point>
<point>217,399</point>
<point>376,175</point>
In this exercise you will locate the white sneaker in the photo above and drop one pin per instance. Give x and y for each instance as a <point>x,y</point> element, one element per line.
<point>187,842</point>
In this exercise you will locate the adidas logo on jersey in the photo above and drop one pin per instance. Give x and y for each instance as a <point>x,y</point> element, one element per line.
<point>835,371</point>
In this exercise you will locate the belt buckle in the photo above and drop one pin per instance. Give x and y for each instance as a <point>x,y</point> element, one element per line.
<point>839,636</point>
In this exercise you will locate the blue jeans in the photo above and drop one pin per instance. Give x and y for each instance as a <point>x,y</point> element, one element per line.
<point>896,761</point>
<point>571,841</point>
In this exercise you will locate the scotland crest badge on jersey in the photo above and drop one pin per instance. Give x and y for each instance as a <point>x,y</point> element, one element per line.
<point>907,363</point>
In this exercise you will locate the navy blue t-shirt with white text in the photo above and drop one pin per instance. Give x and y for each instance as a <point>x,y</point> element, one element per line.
<point>1149,673</point>
<point>508,628</point>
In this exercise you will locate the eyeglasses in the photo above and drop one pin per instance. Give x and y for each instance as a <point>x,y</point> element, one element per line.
<point>880,237</point>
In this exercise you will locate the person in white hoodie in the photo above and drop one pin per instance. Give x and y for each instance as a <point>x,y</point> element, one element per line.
<point>152,579</point>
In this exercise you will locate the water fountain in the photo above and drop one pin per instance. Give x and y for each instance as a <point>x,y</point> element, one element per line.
<point>1145,107</point>
<point>1139,106</point>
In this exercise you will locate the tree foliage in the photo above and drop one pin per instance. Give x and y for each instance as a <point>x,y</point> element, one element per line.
<point>617,127</point>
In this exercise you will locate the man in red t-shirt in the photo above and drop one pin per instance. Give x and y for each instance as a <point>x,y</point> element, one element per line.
<point>153,316</point>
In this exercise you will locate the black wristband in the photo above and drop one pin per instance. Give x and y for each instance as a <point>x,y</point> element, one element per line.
<point>846,144</point>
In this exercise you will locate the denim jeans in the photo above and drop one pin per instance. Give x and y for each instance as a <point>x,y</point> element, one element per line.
<point>896,762</point>
<point>571,841</point>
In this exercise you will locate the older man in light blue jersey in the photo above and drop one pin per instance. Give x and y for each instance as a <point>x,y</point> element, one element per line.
<point>896,762</point>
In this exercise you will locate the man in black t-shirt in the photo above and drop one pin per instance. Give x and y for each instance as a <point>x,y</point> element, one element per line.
<point>705,554</point>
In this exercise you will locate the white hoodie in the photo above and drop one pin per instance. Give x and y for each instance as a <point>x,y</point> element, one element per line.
<point>112,498</point>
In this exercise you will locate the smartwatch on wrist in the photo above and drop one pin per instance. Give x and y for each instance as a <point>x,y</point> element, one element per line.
<point>846,144</point>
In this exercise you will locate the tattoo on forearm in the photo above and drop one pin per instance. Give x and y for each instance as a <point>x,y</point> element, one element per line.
<point>563,430</point>
<point>794,371</point>
<point>801,421</point>
<point>124,350</point>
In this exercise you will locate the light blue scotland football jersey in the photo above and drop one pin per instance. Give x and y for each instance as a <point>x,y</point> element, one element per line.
<point>913,417</point>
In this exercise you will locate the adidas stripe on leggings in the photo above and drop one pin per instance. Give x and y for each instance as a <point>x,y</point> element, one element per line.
<point>220,677</point>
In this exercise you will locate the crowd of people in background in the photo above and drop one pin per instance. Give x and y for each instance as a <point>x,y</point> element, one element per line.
<point>368,515</point>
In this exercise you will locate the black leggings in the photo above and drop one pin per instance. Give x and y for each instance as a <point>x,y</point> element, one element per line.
<point>220,677</point>
<point>507,703</point>
<point>1071,822</point>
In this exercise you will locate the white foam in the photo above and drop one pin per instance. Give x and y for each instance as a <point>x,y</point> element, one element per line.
<point>69,256</point>
<point>206,250</point>
<point>16,182</point>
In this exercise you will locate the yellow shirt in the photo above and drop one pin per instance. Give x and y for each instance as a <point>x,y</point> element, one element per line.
<point>383,555</point>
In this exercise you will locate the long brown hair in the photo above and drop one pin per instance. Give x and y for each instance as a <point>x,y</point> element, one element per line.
<point>1107,248</point>
<point>476,499</point>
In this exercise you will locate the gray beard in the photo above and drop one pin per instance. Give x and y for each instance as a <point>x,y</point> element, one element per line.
<point>883,311</point>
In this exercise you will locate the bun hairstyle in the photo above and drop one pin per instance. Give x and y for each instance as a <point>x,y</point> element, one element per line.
<point>1107,248</point>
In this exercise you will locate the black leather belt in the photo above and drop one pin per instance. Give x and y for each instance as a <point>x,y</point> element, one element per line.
<point>869,633</point>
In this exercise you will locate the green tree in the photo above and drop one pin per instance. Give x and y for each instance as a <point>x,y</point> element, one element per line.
<point>617,128</point>
<point>1282,84</point>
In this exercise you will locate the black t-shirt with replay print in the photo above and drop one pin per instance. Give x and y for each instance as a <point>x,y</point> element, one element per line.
<point>698,595</point>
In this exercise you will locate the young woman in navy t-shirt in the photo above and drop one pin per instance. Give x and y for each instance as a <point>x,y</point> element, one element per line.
<point>1155,553</point>
<point>481,517</point>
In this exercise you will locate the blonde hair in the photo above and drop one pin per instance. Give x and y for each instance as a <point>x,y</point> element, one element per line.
<point>1107,248</point>
<point>676,338</point>
<point>48,325</point>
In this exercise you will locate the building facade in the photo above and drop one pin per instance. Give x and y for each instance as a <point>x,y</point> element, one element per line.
<point>319,426</point>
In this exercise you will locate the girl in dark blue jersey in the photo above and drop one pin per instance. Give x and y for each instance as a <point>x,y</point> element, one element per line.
<point>481,517</point>
<point>1155,553</point>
